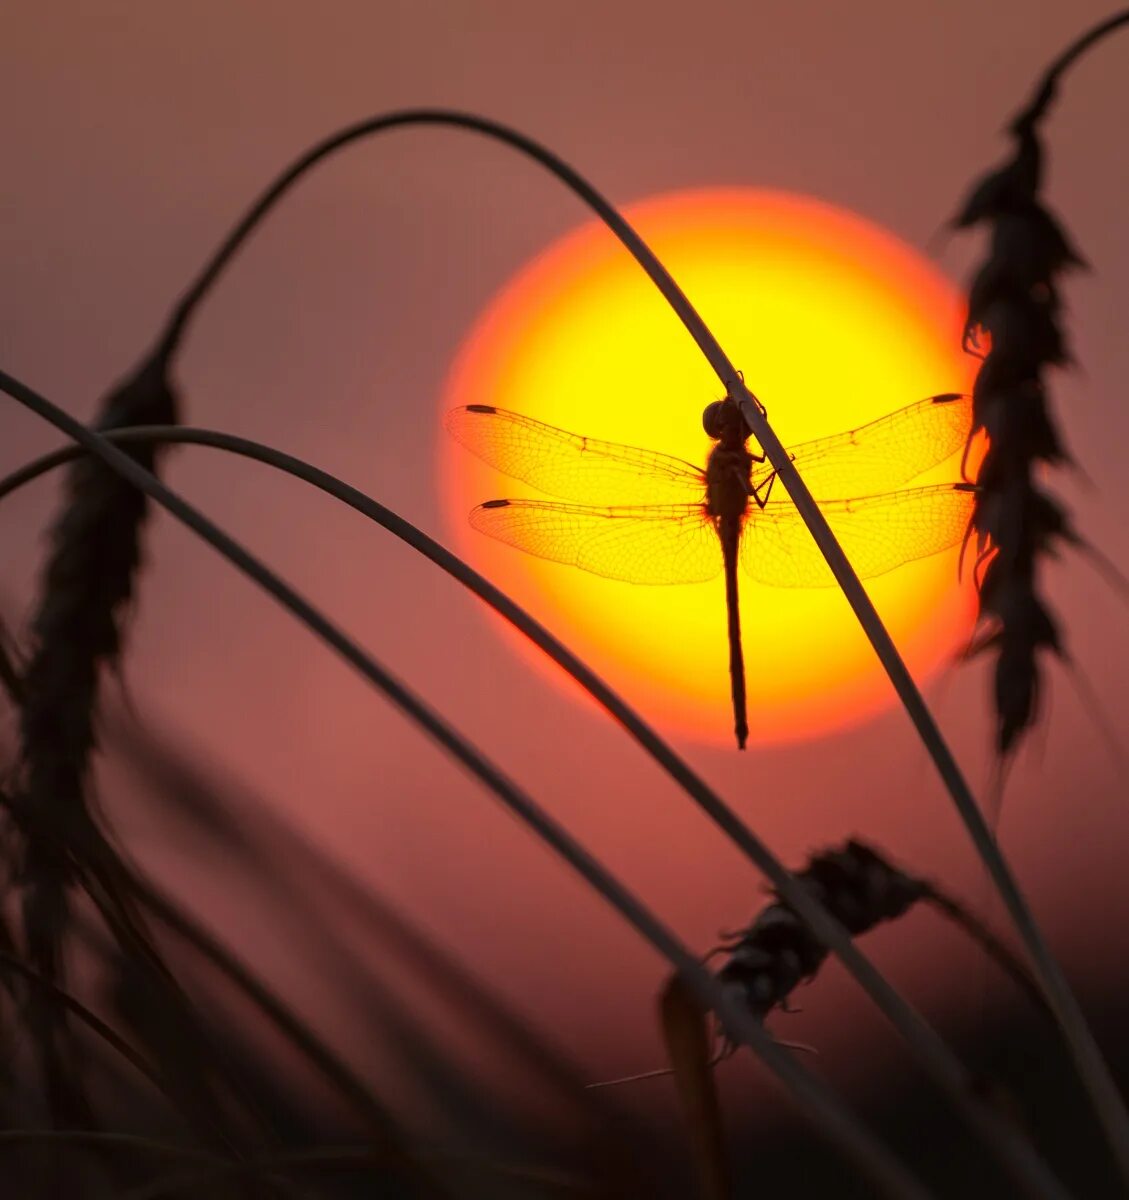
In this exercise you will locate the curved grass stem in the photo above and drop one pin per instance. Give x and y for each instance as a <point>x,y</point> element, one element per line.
<point>815,1098</point>
<point>976,930</point>
<point>57,995</point>
<point>928,1047</point>
<point>1047,87</point>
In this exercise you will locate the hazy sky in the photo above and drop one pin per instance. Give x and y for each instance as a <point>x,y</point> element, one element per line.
<point>133,134</point>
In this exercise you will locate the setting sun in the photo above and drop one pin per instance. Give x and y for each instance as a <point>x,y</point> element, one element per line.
<point>835,323</point>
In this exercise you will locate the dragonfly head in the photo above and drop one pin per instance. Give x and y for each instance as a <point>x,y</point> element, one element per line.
<point>722,420</point>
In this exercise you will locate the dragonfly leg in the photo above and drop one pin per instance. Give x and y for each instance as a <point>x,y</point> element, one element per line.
<point>755,491</point>
<point>766,487</point>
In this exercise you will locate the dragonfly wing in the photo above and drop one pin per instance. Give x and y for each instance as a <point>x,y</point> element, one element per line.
<point>878,533</point>
<point>887,452</point>
<point>570,466</point>
<point>656,544</point>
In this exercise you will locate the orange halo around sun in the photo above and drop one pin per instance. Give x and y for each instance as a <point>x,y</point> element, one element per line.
<point>834,322</point>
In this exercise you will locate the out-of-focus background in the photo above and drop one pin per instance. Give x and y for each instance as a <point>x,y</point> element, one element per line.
<point>134,134</point>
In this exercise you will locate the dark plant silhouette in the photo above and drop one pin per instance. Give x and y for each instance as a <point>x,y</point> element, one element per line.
<point>1015,300</point>
<point>76,633</point>
<point>154,1017</point>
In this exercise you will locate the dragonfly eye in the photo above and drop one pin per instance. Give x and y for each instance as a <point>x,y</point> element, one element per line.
<point>713,419</point>
<point>722,420</point>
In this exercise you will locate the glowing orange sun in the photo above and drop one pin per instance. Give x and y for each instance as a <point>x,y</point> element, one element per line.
<point>835,323</point>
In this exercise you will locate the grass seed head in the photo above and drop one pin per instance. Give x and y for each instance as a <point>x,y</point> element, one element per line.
<point>1014,307</point>
<point>778,951</point>
<point>77,630</point>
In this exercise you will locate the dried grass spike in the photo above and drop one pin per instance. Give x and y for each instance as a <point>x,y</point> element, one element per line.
<point>863,890</point>
<point>778,951</point>
<point>76,631</point>
<point>1007,187</point>
<point>1014,297</point>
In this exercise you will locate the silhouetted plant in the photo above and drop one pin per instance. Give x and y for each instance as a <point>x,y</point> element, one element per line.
<point>767,961</point>
<point>1015,300</point>
<point>163,1033</point>
<point>777,952</point>
<point>76,633</point>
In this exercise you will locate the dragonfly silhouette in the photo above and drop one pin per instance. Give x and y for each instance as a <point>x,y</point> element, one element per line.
<point>666,521</point>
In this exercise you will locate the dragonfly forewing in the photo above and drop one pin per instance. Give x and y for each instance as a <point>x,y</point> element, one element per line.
<point>570,466</point>
<point>653,544</point>
<point>885,453</point>
<point>877,533</point>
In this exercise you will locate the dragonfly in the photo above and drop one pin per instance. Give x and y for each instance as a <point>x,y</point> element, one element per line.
<point>644,517</point>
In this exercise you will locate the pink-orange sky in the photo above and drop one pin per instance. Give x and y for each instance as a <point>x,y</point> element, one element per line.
<point>133,134</point>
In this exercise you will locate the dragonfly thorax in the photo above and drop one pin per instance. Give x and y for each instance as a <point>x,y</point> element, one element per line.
<point>730,466</point>
<point>728,481</point>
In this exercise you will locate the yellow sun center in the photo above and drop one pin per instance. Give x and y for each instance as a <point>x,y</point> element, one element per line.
<point>835,323</point>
